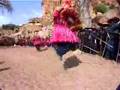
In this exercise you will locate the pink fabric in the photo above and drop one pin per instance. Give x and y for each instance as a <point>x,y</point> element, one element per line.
<point>61,30</point>
<point>56,13</point>
<point>61,33</point>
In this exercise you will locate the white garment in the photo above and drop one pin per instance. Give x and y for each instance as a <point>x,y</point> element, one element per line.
<point>44,34</point>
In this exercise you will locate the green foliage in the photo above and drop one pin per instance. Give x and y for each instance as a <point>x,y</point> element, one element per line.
<point>9,26</point>
<point>103,8</point>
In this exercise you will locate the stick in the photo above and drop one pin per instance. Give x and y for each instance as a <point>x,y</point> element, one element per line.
<point>91,49</point>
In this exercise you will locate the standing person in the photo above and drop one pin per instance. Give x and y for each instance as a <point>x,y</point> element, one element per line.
<point>66,22</point>
<point>41,40</point>
<point>113,32</point>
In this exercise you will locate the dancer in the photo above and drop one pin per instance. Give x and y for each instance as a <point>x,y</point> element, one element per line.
<point>113,32</point>
<point>66,23</point>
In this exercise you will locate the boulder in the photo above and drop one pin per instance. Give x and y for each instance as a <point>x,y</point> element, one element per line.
<point>71,59</point>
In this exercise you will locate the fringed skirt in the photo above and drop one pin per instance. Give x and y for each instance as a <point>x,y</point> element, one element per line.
<point>61,33</point>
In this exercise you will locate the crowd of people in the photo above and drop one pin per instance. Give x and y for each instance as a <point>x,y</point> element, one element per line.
<point>10,41</point>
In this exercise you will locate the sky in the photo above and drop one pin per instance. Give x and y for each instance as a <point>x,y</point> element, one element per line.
<point>23,10</point>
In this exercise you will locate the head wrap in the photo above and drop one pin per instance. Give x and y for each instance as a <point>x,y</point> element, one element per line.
<point>67,3</point>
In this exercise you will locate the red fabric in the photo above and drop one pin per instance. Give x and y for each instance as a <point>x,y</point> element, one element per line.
<point>39,41</point>
<point>67,2</point>
<point>63,20</point>
<point>56,13</point>
<point>70,13</point>
<point>55,0</point>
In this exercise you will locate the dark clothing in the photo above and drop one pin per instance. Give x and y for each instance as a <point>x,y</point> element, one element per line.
<point>113,40</point>
<point>62,48</point>
<point>118,88</point>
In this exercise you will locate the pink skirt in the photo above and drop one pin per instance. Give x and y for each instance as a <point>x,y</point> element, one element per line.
<point>62,33</point>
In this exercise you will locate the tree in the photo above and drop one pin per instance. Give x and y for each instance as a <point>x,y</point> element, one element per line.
<point>6,4</point>
<point>85,12</point>
<point>9,26</point>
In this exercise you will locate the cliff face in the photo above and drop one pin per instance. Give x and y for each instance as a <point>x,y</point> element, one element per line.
<point>49,6</point>
<point>106,1</point>
<point>85,10</point>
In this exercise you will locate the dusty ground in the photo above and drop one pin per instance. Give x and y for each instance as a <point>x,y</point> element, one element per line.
<point>24,68</point>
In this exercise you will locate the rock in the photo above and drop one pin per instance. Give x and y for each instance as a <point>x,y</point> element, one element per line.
<point>77,52</point>
<point>71,60</point>
<point>71,53</point>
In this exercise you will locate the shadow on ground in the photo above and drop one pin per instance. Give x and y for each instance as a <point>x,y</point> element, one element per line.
<point>3,69</point>
<point>71,62</point>
<point>2,62</point>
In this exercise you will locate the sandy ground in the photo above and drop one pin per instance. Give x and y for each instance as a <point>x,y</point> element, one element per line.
<point>24,68</point>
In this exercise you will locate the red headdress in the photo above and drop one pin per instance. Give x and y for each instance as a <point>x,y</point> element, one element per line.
<point>55,0</point>
<point>67,2</point>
